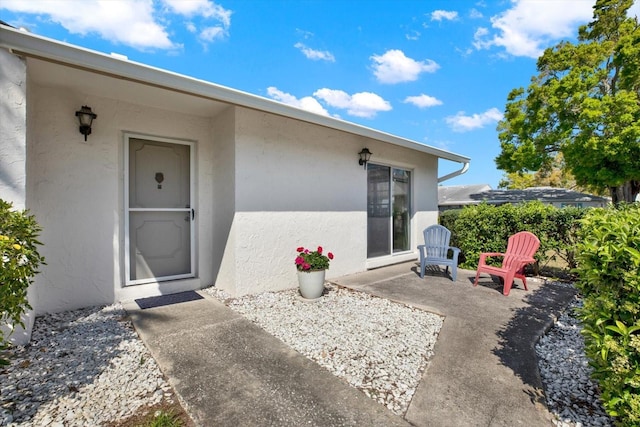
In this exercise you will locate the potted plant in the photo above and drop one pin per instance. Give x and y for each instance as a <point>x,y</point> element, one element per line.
<point>311,266</point>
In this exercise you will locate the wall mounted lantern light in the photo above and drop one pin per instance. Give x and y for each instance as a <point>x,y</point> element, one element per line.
<point>85,117</point>
<point>365,155</point>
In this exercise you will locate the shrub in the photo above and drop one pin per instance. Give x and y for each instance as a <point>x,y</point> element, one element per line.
<point>19,262</point>
<point>609,279</point>
<point>487,228</point>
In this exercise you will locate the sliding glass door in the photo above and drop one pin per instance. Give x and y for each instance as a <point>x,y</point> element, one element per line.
<point>388,210</point>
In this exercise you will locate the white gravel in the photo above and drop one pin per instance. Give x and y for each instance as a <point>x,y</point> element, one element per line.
<point>571,394</point>
<point>89,367</point>
<point>377,346</point>
<point>82,368</point>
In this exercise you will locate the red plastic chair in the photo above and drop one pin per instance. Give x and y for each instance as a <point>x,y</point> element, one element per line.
<point>520,250</point>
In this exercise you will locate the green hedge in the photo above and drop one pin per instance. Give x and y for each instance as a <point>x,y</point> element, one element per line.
<point>19,261</point>
<point>486,228</point>
<point>609,280</point>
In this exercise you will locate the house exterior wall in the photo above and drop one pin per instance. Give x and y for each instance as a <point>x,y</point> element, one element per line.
<point>223,203</point>
<point>300,185</point>
<point>13,158</point>
<point>13,129</point>
<point>264,185</point>
<point>76,191</point>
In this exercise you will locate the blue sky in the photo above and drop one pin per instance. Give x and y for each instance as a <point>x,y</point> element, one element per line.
<point>436,72</point>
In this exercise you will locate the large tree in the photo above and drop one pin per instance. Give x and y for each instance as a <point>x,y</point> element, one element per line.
<point>585,104</point>
<point>555,175</point>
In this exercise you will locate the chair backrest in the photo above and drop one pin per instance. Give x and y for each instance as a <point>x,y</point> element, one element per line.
<point>521,245</point>
<point>436,241</point>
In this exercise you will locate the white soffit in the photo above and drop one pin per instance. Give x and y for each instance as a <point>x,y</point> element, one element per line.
<point>49,50</point>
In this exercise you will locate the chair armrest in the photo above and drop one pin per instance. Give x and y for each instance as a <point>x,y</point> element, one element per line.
<point>485,255</point>
<point>456,253</point>
<point>421,249</point>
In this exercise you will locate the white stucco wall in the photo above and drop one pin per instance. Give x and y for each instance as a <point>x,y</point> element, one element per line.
<point>300,185</point>
<point>13,115</point>
<point>13,159</point>
<point>223,203</point>
<point>76,190</point>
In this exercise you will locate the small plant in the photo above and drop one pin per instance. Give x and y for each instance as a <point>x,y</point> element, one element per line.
<point>312,261</point>
<point>164,419</point>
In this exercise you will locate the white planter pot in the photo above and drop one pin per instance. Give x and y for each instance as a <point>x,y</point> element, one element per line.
<point>311,283</point>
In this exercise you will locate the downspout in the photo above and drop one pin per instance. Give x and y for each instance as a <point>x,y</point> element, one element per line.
<point>465,167</point>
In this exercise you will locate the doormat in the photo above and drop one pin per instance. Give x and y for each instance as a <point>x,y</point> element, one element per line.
<point>161,300</point>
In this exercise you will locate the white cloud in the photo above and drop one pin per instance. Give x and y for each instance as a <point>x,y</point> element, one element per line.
<point>307,103</point>
<point>204,8</point>
<point>362,104</point>
<point>304,33</point>
<point>137,23</point>
<point>475,14</point>
<point>422,101</point>
<point>462,123</point>
<point>130,23</point>
<point>439,15</point>
<point>394,67</point>
<point>315,54</point>
<point>210,34</point>
<point>413,35</point>
<point>479,39</point>
<point>528,27</point>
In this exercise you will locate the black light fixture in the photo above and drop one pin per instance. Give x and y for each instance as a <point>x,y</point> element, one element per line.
<point>85,117</point>
<point>365,155</point>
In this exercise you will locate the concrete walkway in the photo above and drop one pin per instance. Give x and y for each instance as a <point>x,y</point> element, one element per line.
<point>229,372</point>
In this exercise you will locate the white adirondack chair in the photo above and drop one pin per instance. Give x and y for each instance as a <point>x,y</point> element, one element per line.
<point>436,248</point>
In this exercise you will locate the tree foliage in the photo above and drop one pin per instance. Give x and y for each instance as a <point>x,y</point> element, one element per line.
<point>557,175</point>
<point>585,104</point>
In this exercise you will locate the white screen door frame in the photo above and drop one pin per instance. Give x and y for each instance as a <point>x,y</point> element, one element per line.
<point>187,212</point>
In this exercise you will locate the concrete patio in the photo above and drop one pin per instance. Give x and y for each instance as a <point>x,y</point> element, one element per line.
<point>228,371</point>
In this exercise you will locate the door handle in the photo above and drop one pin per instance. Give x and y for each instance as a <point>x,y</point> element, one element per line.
<point>193,214</point>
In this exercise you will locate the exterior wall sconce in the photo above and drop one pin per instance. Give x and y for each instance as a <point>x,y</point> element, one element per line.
<point>365,155</point>
<point>85,117</point>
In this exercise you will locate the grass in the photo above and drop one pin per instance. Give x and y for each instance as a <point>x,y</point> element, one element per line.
<point>164,414</point>
<point>163,419</point>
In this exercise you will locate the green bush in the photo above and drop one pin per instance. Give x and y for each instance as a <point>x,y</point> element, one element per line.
<point>486,228</point>
<point>19,262</point>
<point>609,280</point>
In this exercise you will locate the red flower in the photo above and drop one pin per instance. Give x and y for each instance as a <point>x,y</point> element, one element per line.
<point>306,266</point>
<point>330,255</point>
<point>299,260</point>
<point>300,249</point>
<point>320,250</point>
<point>306,251</point>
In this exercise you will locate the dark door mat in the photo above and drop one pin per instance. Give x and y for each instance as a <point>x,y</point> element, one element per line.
<point>161,300</point>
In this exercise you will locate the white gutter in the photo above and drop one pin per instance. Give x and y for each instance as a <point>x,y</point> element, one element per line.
<point>465,167</point>
<point>30,45</point>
